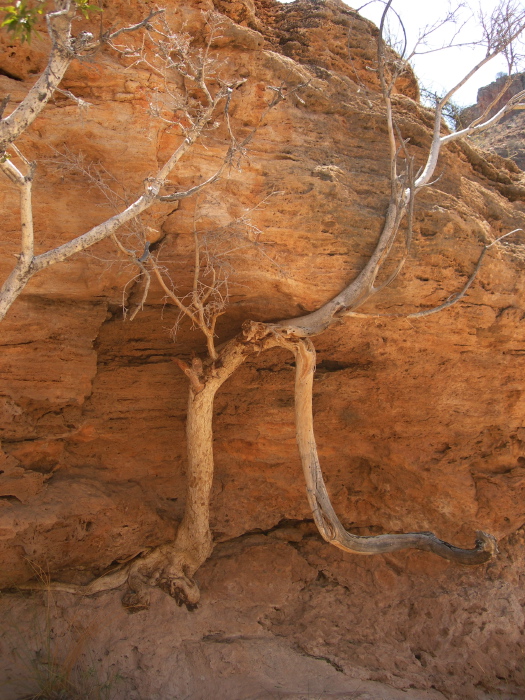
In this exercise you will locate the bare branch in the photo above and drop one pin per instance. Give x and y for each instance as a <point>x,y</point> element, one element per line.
<point>171,294</point>
<point>506,25</point>
<point>192,375</point>
<point>493,103</point>
<point>360,289</point>
<point>515,103</point>
<point>176,196</point>
<point>387,90</point>
<point>468,284</point>
<point>59,28</point>
<point>325,517</point>
<point>3,104</point>
<point>22,271</point>
<point>133,28</point>
<point>98,233</point>
<point>451,300</point>
<point>64,48</point>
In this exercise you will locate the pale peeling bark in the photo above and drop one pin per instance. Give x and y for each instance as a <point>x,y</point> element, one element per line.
<point>64,48</point>
<point>60,57</point>
<point>22,272</point>
<point>360,289</point>
<point>404,186</point>
<point>172,566</point>
<point>29,264</point>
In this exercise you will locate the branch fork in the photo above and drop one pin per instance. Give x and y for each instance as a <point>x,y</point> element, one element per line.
<point>194,372</point>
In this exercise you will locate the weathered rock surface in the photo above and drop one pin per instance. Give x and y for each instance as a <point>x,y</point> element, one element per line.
<point>420,423</point>
<point>507,137</point>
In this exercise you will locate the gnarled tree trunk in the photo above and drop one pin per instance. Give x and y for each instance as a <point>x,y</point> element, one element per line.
<point>193,544</point>
<point>172,566</point>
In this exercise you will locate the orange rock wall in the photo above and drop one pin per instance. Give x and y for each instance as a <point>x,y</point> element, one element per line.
<point>506,137</point>
<point>419,423</point>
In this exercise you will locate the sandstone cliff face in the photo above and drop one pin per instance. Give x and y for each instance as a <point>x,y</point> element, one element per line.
<point>420,424</point>
<point>507,137</point>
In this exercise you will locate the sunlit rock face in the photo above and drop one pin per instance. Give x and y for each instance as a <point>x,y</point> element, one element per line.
<point>505,138</point>
<point>419,423</point>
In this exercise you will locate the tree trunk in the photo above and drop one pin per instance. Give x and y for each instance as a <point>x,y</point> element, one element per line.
<point>172,566</point>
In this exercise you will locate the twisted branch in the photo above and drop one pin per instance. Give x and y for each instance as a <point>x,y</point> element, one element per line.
<point>324,514</point>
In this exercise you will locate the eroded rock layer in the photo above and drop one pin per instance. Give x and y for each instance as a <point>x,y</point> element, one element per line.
<point>419,423</point>
<point>506,138</point>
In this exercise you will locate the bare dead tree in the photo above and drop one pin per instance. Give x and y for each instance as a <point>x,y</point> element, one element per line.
<point>172,566</point>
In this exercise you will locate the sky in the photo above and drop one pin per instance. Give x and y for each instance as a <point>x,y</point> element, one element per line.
<point>442,70</point>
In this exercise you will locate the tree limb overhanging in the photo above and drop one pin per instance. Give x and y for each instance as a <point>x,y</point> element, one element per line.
<point>64,49</point>
<point>172,566</point>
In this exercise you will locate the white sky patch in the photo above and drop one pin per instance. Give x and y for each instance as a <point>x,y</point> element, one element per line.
<point>441,70</point>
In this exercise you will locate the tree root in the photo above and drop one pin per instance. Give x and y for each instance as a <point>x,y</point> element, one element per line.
<point>161,567</point>
<point>106,582</point>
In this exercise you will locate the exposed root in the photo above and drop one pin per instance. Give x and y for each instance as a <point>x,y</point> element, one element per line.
<point>162,567</point>
<point>170,567</point>
<point>106,582</point>
<point>182,589</point>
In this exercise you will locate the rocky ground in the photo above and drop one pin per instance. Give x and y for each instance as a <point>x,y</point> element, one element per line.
<point>282,617</point>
